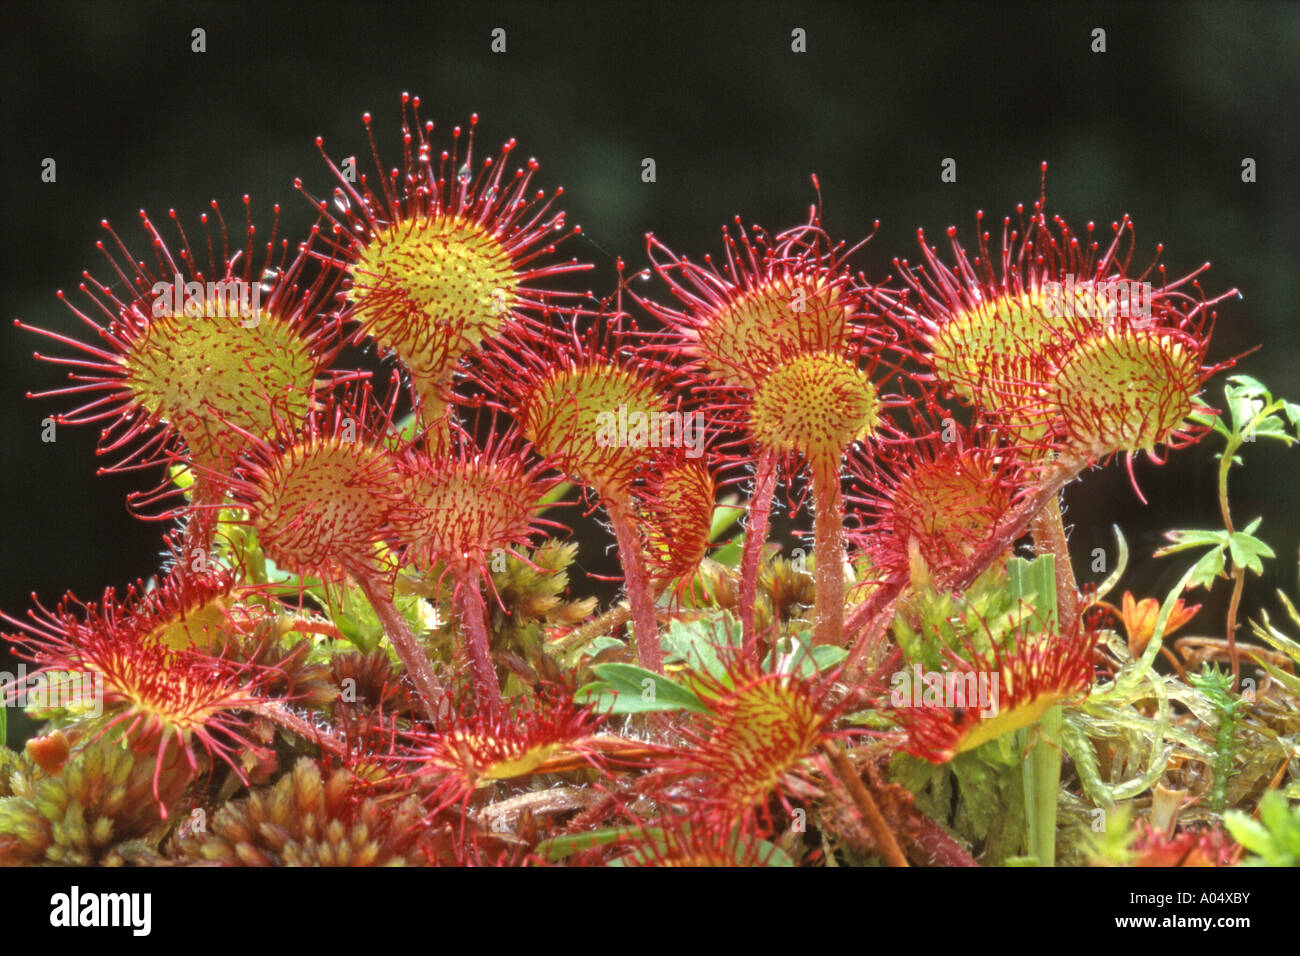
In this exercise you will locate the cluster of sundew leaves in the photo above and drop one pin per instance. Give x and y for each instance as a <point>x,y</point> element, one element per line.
<point>728,750</point>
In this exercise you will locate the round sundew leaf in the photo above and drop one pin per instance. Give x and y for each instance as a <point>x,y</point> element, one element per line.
<point>948,505</point>
<point>466,508</point>
<point>203,373</point>
<point>781,316</point>
<point>508,761</point>
<point>596,421</point>
<point>1125,391</point>
<point>322,504</point>
<point>980,353</point>
<point>430,289</point>
<point>815,405</point>
<point>677,517</point>
<point>1005,721</point>
<point>759,733</point>
<point>152,691</point>
<point>199,627</point>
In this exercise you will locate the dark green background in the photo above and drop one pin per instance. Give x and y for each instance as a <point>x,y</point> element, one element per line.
<point>1156,127</point>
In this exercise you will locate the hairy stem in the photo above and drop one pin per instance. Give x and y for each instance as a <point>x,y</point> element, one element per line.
<point>871,637</point>
<point>760,510</point>
<point>645,628</point>
<point>1234,605</point>
<point>1050,538</point>
<point>1013,524</point>
<point>828,552</point>
<point>276,712</point>
<point>882,596</point>
<point>205,494</point>
<point>938,845</point>
<point>473,621</point>
<point>431,693</point>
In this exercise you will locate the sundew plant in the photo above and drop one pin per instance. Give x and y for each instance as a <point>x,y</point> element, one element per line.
<point>370,644</point>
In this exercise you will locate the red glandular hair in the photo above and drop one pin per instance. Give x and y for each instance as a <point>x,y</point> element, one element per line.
<point>592,397</point>
<point>184,379</point>
<point>1037,670</point>
<point>1060,341</point>
<point>470,500</point>
<point>944,493</point>
<point>438,255</point>
<point>486,746</point>
<point>675,839</point>
<point>761,732</point>
<point>675,514</point>
<point>320,496</point>
<point>794,290</point>
<point>161,690</point>
<point>780,344</point>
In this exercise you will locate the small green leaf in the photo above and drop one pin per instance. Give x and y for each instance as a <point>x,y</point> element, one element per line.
<point>604,642</point>
<point>1249,833</point>
<point>1245,385</point>
<point>1247,551</point>
<point>605,701</point>
<point>729,554</point>
<point>1211,418</point>
<point>557,848</point>
<point>696,644</point>
<point>1275,637</point>
<point>1243,409</point>
<point>1271,427</point>
<point>1275,837</point>
<point>628,689</point>
<point>826,656</point>
<point>724,516</point>
<point>1184,539</point>
<point>1207,569</point>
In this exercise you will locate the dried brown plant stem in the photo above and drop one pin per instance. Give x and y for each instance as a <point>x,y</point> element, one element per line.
<point>604,623</point>
<point>862,799</point>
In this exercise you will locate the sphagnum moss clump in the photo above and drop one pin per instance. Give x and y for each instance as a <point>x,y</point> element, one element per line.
<point>393,592</point>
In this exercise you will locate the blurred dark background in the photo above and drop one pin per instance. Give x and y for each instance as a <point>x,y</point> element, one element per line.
<point>1157,126</point>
